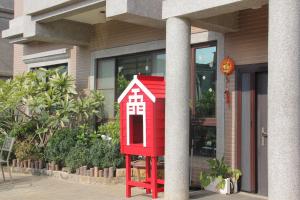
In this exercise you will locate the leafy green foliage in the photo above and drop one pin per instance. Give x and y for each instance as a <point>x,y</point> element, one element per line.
<point>78,156</point>
<point>218,168</point>
<point>219,171</point>
<point>236,174</point>
<point>112,128</point>
<point>122,83</point>
<point>60,145</point>
<point>112,157</point>
<point>47,101</point>
<point>205,106</point>
<point>97,152</point>
<point>26,150</point>
<point>51,120</point>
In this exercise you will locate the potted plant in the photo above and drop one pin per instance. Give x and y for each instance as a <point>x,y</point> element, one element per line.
<point>235,176</point>
<point>219,177</point>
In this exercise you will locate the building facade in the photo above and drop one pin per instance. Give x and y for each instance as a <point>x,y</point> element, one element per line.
<point>6,49</point>
<point>99,42</point>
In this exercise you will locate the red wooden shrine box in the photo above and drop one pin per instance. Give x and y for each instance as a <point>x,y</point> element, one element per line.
<point>142,128</point>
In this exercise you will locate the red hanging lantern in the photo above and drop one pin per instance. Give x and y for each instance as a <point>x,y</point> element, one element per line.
<point>227,68</point>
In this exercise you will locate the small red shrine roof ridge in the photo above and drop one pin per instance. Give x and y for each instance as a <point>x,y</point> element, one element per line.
<point>152,86</point>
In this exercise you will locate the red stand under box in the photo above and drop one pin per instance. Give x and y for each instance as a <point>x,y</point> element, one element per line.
<point>142,126</point>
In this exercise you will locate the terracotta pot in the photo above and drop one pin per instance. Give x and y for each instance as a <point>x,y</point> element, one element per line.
<point>84,170</point>
<point>96,172</point>
<point>100,173</point>
<point>105,172</point>
<point>81,171</point>
<point>40,164</point>
<point>25,164</point>
<point>52,165</point>
<point>36,164</point>
<point>111,172</point>
<point>91,172</point>
<point>29,163</point>
<point>14,163</point>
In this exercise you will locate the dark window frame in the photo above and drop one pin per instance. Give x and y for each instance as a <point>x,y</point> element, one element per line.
<point>206,121</point>
<point>116,64</point>
<point>197,123</point>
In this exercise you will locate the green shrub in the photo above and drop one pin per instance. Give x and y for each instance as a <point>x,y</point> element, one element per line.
<point>97,153</point>
<point>106,154</point>
<point>25,150</point>
<point>78,156</point>
<point>60,145</point>
<point>218,170</point>
<point>113,157</point>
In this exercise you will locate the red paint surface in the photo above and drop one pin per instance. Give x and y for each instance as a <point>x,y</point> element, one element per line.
<point>155,134</point>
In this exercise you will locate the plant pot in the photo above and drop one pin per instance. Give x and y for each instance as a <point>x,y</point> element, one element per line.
<point>29,163</point>
<point>52,166</point>
<point>213,186</point>
<point>100,173</point>
<point>235,187</point>
<point>84,170</point>
<point>111,172</point>
<point>25,164</point>
<point>91,172</point>
<point>96,172</point>
<point>40,164</point>
<point>105,172</point>
<point>14,163</point>
<point>36,164</point>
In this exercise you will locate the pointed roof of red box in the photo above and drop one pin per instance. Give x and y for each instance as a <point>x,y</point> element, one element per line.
<point>152,86</point>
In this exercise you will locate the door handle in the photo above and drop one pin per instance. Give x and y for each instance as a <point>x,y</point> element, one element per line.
<point>264,135</point>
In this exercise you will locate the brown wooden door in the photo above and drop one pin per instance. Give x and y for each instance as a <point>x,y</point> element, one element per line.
<point>252,144</point>
<point>261,132</point>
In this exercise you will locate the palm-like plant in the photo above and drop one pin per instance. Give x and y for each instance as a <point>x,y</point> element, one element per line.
<point>47,99</point>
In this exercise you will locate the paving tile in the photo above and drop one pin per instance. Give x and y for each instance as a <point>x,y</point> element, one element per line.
<point>28,187</point>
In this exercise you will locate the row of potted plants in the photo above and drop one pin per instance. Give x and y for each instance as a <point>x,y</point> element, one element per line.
<point>83,171</point>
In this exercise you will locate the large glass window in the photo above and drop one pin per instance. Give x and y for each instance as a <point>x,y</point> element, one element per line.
<point>106,84</point>
<point>61,67</point>
<point>109,70</point>
<point>147,64</point>
<point>203,129</point>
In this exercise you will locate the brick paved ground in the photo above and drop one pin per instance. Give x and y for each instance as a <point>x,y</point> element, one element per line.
<point>27,187</point>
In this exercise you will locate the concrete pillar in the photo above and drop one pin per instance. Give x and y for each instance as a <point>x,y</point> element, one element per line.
<point>178,33</point>
<point>284,100</point>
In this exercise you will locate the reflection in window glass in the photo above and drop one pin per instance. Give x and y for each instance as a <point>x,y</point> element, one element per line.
<point>150,63</point>
<point>203,134</point>
<point>106,84</point>
<point>205,77</point>
<point>204,141</point>
<point>153,63</point>
<point>159,64</point>
<point>62,68</point>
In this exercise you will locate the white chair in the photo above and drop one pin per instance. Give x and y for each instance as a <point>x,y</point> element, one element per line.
<point>5,154</point>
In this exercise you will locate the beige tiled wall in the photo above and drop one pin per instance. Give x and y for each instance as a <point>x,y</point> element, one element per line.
<point>247,46</point>
<point>18,7</point>
<point>115,34</point>
<point>250,44</point>
<point>19,65</point>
